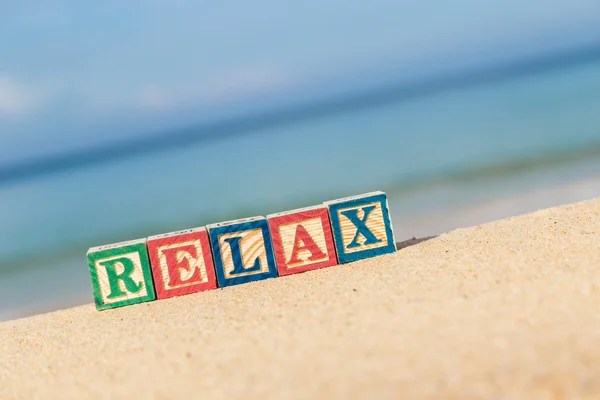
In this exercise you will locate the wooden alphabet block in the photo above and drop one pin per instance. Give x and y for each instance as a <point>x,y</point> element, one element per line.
<point>242,251</point>
<point>302,240</point>
<point>181,262</point>
<point>120,274</point>
<point>361,226</point>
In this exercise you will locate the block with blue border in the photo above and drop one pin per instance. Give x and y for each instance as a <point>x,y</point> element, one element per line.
<point>242,251</point>
<point>361,226</point>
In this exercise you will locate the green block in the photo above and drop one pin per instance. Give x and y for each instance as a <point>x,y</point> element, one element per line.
<point>120,274</point>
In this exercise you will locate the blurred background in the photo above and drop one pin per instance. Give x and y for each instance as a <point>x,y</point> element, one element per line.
<point>120,120</point>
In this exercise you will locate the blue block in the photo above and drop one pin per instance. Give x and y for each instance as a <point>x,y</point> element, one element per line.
<point>361,226</point>
<point>242,251</point>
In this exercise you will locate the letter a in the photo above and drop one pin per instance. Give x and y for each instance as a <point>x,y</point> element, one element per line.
<point>236,257</point>
<point>114,278</point>
<point>361,227</point>
<point>175,266</point>
<point>303,241</point>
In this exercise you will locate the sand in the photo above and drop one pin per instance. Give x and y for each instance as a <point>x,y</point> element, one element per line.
<point>509,309</point>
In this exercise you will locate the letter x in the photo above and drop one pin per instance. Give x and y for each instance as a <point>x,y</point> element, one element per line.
<point>361,227</point>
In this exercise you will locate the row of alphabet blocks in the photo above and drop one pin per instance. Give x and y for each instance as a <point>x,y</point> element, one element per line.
<point>233,252</point>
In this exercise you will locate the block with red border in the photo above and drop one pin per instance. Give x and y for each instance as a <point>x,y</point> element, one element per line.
<point>181,262</point>
<point>302,240</point>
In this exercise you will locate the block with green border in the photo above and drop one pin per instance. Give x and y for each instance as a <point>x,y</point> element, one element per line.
<point>120,274</point>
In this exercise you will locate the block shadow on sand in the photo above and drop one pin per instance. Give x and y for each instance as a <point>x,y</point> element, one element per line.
<point>411,242</point>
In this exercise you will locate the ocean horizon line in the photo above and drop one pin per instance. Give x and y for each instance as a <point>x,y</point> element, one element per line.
<point>220,130</point>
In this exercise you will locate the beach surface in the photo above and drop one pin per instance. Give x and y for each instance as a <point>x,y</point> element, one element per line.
<point>504,310</point>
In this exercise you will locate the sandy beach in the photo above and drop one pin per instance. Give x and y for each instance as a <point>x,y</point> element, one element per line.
<point>504,310</point>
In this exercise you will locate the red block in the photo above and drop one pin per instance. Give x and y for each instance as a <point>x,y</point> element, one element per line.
<point>302,240</point>
<point>181,263</point>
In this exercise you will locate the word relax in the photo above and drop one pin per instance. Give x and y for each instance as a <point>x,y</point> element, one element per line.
<point>233,252</point>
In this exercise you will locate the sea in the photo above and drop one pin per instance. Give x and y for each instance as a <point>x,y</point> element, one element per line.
<point>447,159</point>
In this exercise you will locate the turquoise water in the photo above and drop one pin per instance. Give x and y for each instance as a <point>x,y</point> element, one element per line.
<point>426,153</point>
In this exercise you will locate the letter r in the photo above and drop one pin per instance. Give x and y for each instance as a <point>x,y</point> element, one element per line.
<point>114,278</point>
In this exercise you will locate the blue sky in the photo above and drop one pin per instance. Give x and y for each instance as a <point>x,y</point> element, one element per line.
<point>74,73</point>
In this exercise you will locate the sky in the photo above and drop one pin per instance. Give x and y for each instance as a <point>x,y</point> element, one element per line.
<point>79,73</point>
